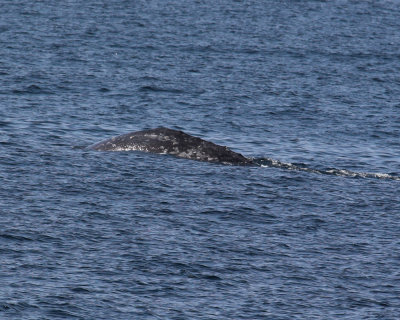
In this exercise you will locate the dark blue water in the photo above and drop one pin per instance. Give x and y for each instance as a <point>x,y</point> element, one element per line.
<point>311,87</point>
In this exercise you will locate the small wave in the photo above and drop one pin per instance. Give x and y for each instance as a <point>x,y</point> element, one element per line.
<point>272,163</point>
<point>32,89</point>
<point>159,89</point>
<point>8,236</point>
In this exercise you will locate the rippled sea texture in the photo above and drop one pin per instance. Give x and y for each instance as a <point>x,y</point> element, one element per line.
<point>312,87</point>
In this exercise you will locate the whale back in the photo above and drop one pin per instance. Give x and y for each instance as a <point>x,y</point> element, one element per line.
<point>169,141</point>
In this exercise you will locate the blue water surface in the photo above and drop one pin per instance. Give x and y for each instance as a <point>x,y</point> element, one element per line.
<point>310,87</point>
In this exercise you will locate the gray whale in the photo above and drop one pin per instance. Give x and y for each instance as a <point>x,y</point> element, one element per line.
<point>169,141</point>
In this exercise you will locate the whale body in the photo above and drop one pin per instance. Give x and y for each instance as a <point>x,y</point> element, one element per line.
<point>174,142</point>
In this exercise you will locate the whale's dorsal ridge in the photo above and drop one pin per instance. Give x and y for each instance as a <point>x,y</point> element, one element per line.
<point>169,141</point>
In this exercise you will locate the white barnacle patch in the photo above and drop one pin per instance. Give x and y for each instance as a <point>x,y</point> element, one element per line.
<point>163,150</point>
<point>190,153</point>
<point>164,138</point>
<point>136,147</point>
<point>151,135</point>
<point>129,147</point>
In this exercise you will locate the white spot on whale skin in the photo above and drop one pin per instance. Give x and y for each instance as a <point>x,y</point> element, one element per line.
<point>163,150</point>
<point>158,137</point>
<point>130,148</point>
<point>151,135</point>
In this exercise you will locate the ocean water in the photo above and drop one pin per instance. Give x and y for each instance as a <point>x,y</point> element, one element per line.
<point>310,88</point>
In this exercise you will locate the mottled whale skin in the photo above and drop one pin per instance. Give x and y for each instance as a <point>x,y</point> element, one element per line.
<point>169,141</point>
